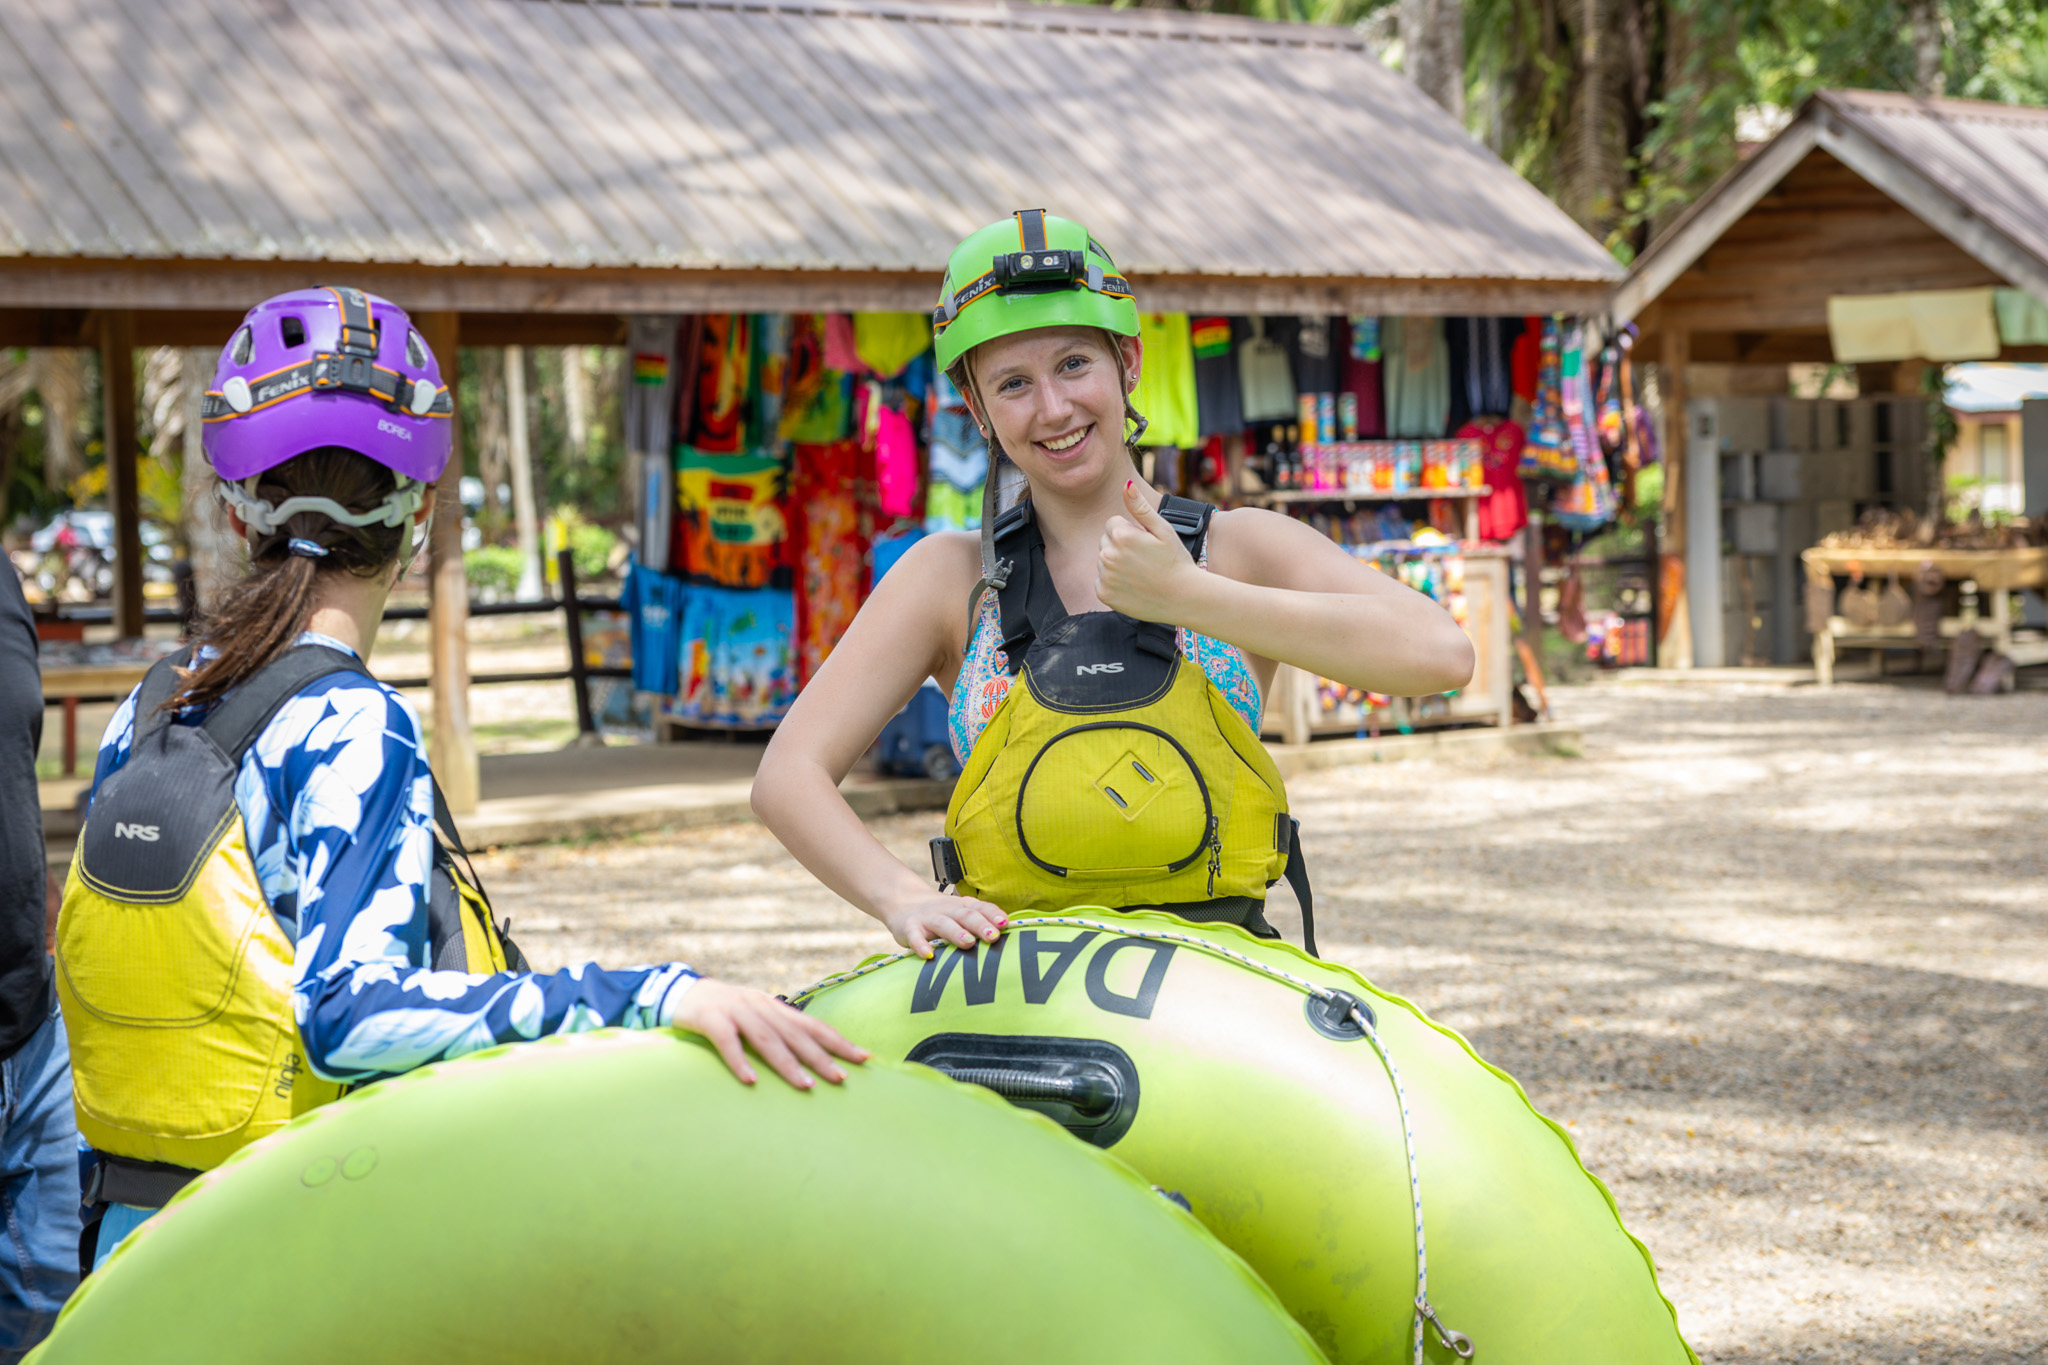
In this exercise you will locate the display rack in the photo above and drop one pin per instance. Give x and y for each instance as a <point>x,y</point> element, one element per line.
<point>1468,515</point>
<point>1295,714</point>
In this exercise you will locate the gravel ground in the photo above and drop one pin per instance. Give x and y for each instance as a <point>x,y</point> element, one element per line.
<point>1778,957</point>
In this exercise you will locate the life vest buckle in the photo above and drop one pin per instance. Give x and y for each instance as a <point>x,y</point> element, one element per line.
<point>946,868</point>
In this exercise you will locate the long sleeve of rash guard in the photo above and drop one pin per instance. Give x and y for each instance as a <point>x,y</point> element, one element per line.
<point>338,805</point>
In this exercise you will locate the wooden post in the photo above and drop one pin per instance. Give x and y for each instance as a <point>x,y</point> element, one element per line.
<point>124,495</point>
<point>1672,362</point>
<point>579,669</point>
<point>454,749</point>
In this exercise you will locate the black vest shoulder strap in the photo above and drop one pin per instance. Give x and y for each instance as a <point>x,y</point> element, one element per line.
<point>1189,519</point>
<point>1029,602</point>
<point>159,685</point>
<point>1026,597</point>
<point>240,717</point>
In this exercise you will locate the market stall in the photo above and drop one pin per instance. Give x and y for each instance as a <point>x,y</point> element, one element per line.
<point>789,459</point>
<point>1919,598</point>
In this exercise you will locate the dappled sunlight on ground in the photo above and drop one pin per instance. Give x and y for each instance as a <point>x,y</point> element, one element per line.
<point>1778,958</point>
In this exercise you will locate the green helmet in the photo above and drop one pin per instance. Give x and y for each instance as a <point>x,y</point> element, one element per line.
<point>1028,271</point>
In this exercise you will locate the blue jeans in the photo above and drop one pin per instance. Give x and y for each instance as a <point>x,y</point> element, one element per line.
<point>38,1188</point>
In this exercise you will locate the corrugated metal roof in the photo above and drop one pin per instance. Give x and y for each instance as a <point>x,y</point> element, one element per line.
<point>1974,171</point>
<point>830,136</point>
<point>1990,158</point>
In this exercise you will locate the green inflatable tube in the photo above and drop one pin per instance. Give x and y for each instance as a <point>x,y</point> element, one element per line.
<point>1225,1068</point>
<point>619,1197</point>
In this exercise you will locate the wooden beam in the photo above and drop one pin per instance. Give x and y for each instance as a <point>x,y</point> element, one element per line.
<point>124,495</point>
<point>1786,346</point>
<point>48,327</point>
<point>453,756</point>
<point>543,329</point>
<point>225,285</point>
<point>1675,251</point>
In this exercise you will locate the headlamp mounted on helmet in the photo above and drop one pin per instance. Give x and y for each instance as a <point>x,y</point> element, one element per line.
<point>1035,268</point>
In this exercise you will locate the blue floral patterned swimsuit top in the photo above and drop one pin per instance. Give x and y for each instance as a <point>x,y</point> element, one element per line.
<point>984,681</point>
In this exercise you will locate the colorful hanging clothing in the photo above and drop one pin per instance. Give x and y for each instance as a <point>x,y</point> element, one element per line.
<point>840,352</point>
<point>1417,376</point>
<point>1505,508</point>
<point>724,376</point>
<point>828,549</point>
<point>1611,423</point>
<point>886,433</point>
<point>740,668</point>
<point>1575,389</point>
<point>771,374</point>
<point>731,528</point>
<point>1525,360</point>
<point>887,342</point>
<point>654,603</point>
<point>892,546</point>
<point>1360,376</point>
<point>1587,503</point>
<point>947,508</point>
<point>954,448</point>
<point>1548,453</point>
<point>1166,381</point>
<point>1365,337</point>
<point>1217,401</point>
<point>817,405</point>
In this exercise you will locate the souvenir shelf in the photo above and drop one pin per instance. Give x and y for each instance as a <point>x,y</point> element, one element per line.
<point>1468,515</point>
<point>1302,706</point>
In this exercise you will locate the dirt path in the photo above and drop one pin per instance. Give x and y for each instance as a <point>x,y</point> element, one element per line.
<point>1778,957</point>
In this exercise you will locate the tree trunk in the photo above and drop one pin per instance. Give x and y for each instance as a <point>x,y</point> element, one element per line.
<point>520,456</point>
<point>576,401</point>
<point>211,545</point>
<point>1433,50</point>
<point>490,447</point>
<point>1925,17</point>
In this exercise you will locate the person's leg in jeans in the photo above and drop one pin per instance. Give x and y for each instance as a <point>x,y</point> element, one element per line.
<point>38,1189</point>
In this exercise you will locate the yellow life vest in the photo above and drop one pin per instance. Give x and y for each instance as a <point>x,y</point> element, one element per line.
<point>175,975</point>
<point>1114,773</point>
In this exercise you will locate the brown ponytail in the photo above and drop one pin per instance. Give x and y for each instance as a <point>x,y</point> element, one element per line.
<point>258,618</point>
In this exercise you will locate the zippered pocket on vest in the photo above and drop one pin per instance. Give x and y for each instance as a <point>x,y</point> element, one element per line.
<point>1113,799</point>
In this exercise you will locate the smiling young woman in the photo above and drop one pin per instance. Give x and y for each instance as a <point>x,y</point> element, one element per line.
<point>1127,773</point>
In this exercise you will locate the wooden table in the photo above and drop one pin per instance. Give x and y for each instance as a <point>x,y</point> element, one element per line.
<point>1998,572</point>
<point>68,682</point>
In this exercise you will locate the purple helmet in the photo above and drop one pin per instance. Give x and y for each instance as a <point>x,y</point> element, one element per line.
<point>331,366</point>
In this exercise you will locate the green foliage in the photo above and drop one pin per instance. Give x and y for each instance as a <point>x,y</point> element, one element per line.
<point>585,476</point>
<point>591,549</point>
<point>493,569</point>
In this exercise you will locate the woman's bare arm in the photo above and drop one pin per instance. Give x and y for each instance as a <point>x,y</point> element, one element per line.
<point>905,632</point>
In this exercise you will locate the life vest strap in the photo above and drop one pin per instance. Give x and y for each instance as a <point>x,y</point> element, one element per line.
<point>140,1184</point>
<point>241,715</point>
<point>1029,603</point>
<point>1297,881</point>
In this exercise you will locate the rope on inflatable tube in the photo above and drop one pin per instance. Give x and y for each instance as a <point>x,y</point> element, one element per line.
<point>1454,1341</point>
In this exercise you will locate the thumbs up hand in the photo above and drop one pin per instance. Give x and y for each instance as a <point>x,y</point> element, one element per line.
<point>1144,570</point>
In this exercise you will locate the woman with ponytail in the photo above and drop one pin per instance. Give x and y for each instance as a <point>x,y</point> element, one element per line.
<point>1127,773</point>
<point>313,921</point>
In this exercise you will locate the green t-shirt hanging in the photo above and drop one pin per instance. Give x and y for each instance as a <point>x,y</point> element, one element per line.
<point>1166,381</point>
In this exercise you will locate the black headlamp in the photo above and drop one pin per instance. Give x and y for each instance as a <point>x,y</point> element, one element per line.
<point>1038,272</point>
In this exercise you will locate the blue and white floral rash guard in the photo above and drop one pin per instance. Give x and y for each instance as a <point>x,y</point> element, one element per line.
<point>338,807</point>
